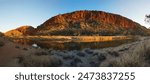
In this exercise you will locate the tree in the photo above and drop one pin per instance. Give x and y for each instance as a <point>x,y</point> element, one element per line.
<point>147,18</point>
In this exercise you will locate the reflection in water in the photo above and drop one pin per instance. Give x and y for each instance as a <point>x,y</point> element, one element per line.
<point>71,45</point>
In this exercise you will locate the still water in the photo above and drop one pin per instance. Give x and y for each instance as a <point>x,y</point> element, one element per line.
<point>62,45</point>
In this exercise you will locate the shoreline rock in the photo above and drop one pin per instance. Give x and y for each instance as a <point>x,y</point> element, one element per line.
<point>127,55</point>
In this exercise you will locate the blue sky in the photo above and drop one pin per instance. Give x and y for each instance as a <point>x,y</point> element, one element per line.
<point>15,13</point>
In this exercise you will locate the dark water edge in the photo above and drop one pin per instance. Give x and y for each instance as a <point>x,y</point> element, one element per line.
<point>62,45</point>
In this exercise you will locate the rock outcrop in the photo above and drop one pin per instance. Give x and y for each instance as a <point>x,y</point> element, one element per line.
<point>21,31</point>
<point>90,23</point>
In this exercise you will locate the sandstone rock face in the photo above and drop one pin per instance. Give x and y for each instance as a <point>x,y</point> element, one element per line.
<point>90,23</point>
<point>21,31</point>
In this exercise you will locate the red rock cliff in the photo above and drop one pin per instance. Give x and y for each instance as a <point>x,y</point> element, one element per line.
<point>92,22</point>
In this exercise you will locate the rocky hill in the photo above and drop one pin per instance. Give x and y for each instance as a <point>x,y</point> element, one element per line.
<point>81,23</point>
<point>21,31</point>
<point>90,23</point>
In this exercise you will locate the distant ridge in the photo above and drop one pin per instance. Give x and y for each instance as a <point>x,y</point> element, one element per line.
<point>21,31</point>
<point>84,23</point>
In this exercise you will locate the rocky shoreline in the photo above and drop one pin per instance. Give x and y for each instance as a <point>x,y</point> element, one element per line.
<point>126,55</point>
<point>102,57</point>
<point>135,54</point>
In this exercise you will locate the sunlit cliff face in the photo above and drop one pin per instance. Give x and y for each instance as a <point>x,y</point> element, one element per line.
<point>89,23</point>
<point>23,30</point>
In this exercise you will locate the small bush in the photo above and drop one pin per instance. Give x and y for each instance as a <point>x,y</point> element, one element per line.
<point>89,51</point>
<point>41,53</point>
<point>95,54</point>
<point>101,57</point>
<point>93,64</point>
<point>40,61</point>
<point>1,43</point>
<point>147,55</point>
<point>75,61</point>
<point>67,57</point>
<point>17,47</point>
<point>25,49</point>
<point>81,54</point>
<point>1,34</point>
<point>113,53</point>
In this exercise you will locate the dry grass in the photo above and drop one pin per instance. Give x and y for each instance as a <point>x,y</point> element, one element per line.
<point>1,34</point>
<point>138,57</point>
<point>39,61</point>
<point>40,53</point>
<point>128,61</point>
<point>1,39</point>
<point>1,43</point>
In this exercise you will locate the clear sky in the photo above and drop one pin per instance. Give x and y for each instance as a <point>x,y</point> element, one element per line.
<point>15,13</point>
